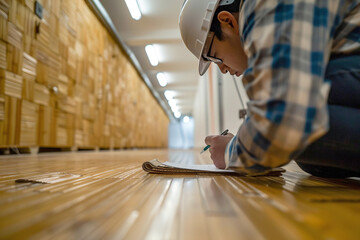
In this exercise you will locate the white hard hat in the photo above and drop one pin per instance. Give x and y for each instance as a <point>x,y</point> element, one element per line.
<point>195,21</point>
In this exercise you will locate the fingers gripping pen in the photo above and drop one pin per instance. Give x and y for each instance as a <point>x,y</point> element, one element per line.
<point>208,146</point>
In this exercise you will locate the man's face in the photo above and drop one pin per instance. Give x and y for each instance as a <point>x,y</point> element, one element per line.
<point>229,50</point>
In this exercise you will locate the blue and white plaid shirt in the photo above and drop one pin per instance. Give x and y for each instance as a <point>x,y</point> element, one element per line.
<point>288,44</point>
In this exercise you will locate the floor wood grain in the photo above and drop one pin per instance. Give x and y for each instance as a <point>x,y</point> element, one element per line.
<point>106,195</point>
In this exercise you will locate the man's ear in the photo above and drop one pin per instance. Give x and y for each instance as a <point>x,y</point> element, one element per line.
<point>227,19</point>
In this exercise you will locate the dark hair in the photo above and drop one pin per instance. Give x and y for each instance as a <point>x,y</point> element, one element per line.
<point>215,25</point>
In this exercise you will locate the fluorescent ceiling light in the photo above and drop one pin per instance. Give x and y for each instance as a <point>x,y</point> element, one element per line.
<point>174,108</point>
<point>186,119</point>
<point>133,9</point>
<point>151,53</point>
<point>177,114</point>
<point>172,102</point>
<point>161,79</point>
<point>169,95</point>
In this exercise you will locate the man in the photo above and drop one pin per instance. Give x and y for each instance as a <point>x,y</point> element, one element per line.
<point>290,53</point>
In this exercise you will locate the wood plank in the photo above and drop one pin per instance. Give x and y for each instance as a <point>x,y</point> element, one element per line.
<point>3,62</point>
<point>29,124</point>
<point>14,36</point>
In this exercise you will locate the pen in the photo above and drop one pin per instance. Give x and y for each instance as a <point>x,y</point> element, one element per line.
<point>208,146</point>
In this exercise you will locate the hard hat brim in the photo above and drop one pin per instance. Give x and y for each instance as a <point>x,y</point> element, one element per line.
<point>203,62</point>
<point>203,66</point>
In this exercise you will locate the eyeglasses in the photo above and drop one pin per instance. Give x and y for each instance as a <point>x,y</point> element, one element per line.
<point>210,58</point>
<point>213,59</point>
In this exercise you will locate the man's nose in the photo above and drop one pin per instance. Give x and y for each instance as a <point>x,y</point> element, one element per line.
<point>223,68</point>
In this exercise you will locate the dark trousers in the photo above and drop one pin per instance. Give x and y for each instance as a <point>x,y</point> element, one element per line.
<point>337,153</point>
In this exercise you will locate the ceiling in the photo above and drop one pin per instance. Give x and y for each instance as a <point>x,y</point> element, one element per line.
<point>159,26</point>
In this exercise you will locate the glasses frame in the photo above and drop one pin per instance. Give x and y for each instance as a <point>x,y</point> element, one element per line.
<point>213,59</point>
<point>207,56</point>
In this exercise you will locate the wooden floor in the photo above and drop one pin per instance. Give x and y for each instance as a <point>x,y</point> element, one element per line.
<point>106,195</point>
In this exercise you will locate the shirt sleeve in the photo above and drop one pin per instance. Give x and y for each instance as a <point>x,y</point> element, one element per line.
<point>288,47</point>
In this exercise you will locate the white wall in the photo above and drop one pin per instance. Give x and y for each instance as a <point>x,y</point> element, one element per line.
<point>224,113</point>
<point>206,107</point>
<point>200,113</point>
<point>231,102</point>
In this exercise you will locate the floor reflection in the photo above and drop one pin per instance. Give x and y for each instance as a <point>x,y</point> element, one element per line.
<point>183,157</point>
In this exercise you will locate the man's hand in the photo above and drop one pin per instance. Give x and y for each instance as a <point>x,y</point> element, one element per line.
<point>217,148</point>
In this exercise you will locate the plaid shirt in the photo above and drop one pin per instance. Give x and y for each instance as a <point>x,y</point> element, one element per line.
<point>288,44</point>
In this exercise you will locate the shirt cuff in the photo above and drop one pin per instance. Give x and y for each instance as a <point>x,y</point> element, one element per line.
<point>232,158</point>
